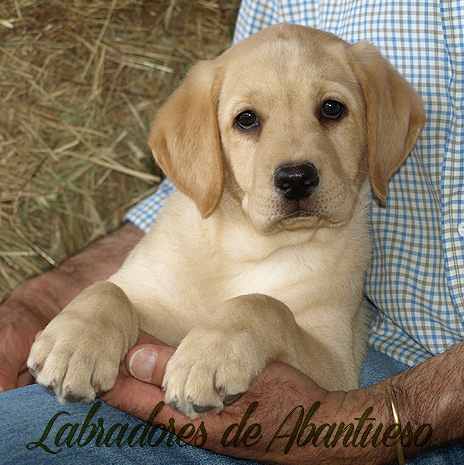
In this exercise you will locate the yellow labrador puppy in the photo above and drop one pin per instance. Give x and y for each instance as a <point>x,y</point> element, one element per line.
<point>262,254</point>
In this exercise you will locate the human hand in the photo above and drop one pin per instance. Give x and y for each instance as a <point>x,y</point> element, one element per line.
<point>275,407</point>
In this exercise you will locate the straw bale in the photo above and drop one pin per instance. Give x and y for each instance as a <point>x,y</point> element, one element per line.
<point>80,81</point>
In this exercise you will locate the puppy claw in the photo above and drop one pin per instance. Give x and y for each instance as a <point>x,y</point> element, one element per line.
<point>99,391</point>
<point>232,398</point>
<point>73,398</point>
<point>174,406</point>
<point>49,389</point>
<point>202,408</point>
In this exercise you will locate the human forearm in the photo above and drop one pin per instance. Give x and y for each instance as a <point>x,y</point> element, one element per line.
<point>433,393</point>
<point>96,262</point>
<point>54,289</point>
<point>430,407</point>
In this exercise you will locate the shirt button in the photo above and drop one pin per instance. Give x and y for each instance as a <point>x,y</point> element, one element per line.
<point>461,229</point>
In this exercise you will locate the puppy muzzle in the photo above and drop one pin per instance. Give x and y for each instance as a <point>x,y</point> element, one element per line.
<point>295,185</point>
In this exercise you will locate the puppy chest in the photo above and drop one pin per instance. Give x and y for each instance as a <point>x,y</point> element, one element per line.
<point>284,276</point>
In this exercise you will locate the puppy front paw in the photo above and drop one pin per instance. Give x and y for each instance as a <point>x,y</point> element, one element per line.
<point>209,370</point>
<point>77,356</point>
<point>69,361</point>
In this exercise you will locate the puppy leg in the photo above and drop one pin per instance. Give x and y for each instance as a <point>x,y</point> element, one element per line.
<point>78,354</point>
<point>216,362</point>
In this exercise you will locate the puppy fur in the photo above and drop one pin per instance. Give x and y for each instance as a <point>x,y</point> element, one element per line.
<point>238,273</point>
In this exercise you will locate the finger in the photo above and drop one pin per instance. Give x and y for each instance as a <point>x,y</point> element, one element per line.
<point>147,362</point>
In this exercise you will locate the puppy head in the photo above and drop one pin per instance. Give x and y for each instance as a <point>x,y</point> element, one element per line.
<point>290,123</point>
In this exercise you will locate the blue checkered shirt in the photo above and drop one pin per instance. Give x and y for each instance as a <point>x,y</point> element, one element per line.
<point>415,284</point>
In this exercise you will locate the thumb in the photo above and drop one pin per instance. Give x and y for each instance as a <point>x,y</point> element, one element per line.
<point>148,362</point>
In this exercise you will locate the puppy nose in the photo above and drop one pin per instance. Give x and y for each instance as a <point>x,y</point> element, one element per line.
<point>296,182</point>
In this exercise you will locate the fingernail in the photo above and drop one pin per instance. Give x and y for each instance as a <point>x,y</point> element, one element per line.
<point>142,364</point>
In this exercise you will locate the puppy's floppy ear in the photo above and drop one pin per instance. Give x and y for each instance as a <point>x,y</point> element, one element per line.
<point>185,137</point>
<point>394,114</point>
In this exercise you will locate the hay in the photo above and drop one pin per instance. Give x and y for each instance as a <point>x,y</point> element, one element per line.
<point>80,81</point>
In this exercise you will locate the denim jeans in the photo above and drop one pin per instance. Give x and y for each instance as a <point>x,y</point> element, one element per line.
<point>33,430</point>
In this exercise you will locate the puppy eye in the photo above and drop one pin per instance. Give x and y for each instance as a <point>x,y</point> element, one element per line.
<point>247,120</point>
<point>332,109</point>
